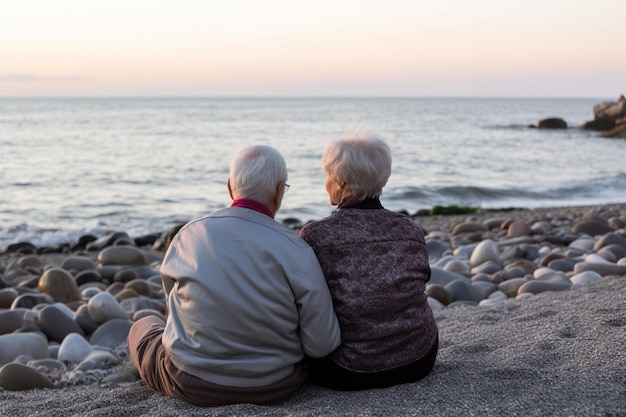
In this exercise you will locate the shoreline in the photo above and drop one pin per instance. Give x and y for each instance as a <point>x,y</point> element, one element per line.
<point>556,351</point>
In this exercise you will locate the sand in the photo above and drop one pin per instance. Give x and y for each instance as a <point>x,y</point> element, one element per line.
<point>555,354</point>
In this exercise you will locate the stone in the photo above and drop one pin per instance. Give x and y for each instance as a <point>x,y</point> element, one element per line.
<point>564,265</point>
<point>74,348</point>
<point>511,287</point>
<point>87,276</point>
<point>601,268</point>
<point>125,275</point>
<point>485,251</point>
<point>141,286</point>
<point>106,241</point>
<point>463,290</point>
<point>585,277</point>
<point>435,305</point>
<point>552,123</point>
<point>78,263</point>
<point>488,267</point>
<point>31,300</point>
<point>29,261</point>
<point>104,307</point>
<point>443,277</point>
<point>121,255</point>
<point>484,288</point>
<point>538,286</point>
<point>610,239</point>
<point>84,320</point>
<point>458,267</point>
<point>56,324</point>
<point>584,244</point>
<point>18,377</point>
<point>436,249</point>
<point>59,284</point>
<point>112,333</point>
<point>469,227</point>
<point>125,294</point>
<point>13,345</point>
<point>11,320</point>
<point>591,227</point>
<point>517,229</point>
<point>7,296</point>
<point>437,292</point>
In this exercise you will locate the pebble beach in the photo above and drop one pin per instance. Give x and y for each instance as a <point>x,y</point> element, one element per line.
<point>530,304</point>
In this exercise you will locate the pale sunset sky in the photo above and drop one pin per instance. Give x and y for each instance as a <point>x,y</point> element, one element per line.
<point>417,48</point>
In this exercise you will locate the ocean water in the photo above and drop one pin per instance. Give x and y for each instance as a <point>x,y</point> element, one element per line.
<point>143,165</point>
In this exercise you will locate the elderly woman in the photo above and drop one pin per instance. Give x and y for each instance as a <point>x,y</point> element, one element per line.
<point>376,265</point>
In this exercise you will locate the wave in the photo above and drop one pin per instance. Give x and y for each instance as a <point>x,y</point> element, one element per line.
<point>598,190</point>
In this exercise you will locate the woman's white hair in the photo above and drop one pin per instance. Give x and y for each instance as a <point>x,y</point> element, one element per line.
<point>256,171</point>
<point>361,162</point>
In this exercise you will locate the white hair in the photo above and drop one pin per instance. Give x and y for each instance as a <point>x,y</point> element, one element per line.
<point>362,162</point>
<point>256,171</point>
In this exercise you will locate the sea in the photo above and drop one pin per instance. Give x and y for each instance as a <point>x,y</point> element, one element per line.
<point>76,166</point>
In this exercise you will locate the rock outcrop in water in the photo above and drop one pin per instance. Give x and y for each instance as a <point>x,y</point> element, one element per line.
<point>609,117</point>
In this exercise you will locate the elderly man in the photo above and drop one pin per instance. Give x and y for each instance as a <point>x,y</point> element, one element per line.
<point>246,299</point>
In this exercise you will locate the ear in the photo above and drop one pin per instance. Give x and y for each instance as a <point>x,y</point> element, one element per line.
<point>278,196</point>
<point>230,190</point>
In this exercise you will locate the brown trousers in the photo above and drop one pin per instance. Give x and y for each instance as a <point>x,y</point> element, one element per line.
<point>159,373</point>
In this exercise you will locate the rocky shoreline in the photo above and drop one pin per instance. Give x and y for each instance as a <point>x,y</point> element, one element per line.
<point>64,316</point>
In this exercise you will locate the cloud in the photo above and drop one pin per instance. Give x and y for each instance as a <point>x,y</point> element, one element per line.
<point>28,78</point>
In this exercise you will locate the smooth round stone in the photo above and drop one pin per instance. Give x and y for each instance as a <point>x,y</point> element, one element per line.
<point>601,268</point>
<point>122,255</point>
<point>487,267</point>
<point>528,266</point>
<point>464,290</point>
<point>563,265</point>
<point>469,227</point>
<point>511,253</point>
<point>435,305</point>
<point>493,222</point>
<point>56,324</point>
<point>610,239</point>
<point>11,320</point>
<point>538,286</point>
<point>554,276</point>
<point>484,288</point>
<point>107,272</point>
<point>13,345</point>
<point>462,303</point>
<point>436,249</point>
<point>90,292</point>
<point>146,272</point>
<point>442,262</point>
<point>524,296</point>
<point>125,275</point>
<point>457,266</point>
<point>112,333</point>
<point>511,286</point>
<point>481,277</point>
<point>48,364</point>
<point>84,320</point>
<point>29,261</point>
<point>125,294</point>
<point>7,296</point>
<point>498,295</point>
<point>594,258</point>
<point>439,293</point>
<point>101,359</point>
<point>622,262</point>
<point>59,284</point>
<point>145,312</point>
<point>616,250</point>
<point>485,251</point>
<point>141,286</point>
<point>86,276</point>
<point>464,252</point>
<point>488,302</point>
<point>74,348</point>
<point>31,300</point>
<point>541,227</point>
<point>518,228</point>
<point>585,277</point>
<point>515,272</point>
<point>443,277</point>
<point>591,228</point>
<point>18,377</point>
<point>78,263</point>
<point>105,241</point>
<point>583,244</point>
<point>104,307</point>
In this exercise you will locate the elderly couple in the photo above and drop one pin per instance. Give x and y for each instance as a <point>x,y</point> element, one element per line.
<point>253,308</point>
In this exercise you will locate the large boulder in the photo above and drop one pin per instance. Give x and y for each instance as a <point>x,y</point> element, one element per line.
<point>608,115</point>
<point>551,123</point>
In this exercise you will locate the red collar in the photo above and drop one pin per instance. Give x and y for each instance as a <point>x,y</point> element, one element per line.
<point>252,205</point>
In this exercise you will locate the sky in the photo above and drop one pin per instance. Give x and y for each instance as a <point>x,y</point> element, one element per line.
<point>347,48</point>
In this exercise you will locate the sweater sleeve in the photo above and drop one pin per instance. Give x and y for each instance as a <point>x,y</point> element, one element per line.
<point>319,328</point>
